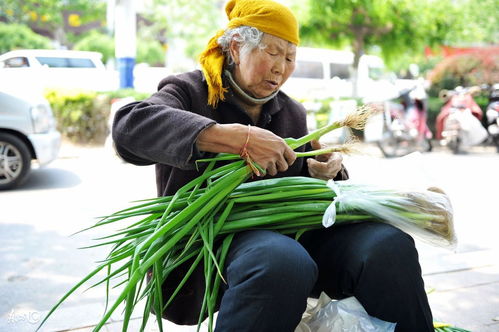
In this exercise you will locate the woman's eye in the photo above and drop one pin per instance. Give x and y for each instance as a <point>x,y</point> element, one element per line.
<point>272,54</point>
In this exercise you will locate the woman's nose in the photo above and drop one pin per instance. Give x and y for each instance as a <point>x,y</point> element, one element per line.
<point>278,67</point>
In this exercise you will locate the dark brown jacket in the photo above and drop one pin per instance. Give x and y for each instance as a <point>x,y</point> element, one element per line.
<point>162,130</point>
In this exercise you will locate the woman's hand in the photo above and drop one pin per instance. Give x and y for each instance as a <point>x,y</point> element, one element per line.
<point>325,166</point>
<point>269,151</point>
<point>265,148</point>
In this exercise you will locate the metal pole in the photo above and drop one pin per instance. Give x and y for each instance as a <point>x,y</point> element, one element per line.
<point>111,4</point>
<point>125,31</point>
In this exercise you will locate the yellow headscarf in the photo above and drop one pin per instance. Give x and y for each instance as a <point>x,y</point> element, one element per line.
<point>266,15</point>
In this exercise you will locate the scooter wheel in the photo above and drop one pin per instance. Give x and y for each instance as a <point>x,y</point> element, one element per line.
<point>496,142</point>
<point>455,145</point>
<point>428,147</point>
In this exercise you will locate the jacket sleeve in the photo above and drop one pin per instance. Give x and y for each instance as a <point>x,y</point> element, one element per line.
<point>161,129</point>
<point>342,174</point>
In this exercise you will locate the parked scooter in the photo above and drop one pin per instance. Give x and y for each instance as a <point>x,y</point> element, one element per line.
<point>458,124</point>
<point>404,124</point>
<point>492,115</point>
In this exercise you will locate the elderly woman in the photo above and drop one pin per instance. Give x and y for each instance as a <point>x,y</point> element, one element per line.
<point>236,99</point>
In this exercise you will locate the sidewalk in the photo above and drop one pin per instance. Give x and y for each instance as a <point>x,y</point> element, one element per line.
<point>463,286</point>
<point>463,291</point>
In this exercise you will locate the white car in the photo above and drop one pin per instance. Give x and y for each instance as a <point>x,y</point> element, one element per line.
<point>325,73</point>
<point>27,131</point>
<point>57,69</point>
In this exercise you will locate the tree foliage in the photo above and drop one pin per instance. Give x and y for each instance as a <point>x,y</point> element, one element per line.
<point>50,12</point>
<point>397,26</point>
<point>397,29</point>
<point>52,16</point>
<point>480,21</point>
<point>192,22</point>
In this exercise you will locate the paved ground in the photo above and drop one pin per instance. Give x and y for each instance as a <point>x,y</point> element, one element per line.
<point>39,261</point>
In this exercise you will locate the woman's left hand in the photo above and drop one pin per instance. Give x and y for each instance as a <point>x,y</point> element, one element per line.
<point>325,166</point>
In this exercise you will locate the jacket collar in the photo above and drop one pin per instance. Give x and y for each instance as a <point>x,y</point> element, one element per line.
<point>271,107</point>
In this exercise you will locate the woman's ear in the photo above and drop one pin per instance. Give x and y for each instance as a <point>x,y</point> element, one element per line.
<point>235,51</point>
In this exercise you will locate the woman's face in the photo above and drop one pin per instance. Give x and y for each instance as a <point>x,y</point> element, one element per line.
<point>263,71</point>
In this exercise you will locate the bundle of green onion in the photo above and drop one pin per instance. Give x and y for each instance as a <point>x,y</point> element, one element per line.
<point>444,327</point>
<point>197,224</point>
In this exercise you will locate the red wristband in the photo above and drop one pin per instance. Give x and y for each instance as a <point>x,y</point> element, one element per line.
<point>244,151</point>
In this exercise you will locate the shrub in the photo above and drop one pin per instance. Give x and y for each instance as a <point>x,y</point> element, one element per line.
<point>97,42</point>
<point>16,36</point>
<point>81,115</point>
<point>150,52</point>
<point>474,68</point>
<point>122,93</point>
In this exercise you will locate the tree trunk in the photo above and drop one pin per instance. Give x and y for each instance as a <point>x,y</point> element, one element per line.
<point>358,50</point>
<point>60,37</point>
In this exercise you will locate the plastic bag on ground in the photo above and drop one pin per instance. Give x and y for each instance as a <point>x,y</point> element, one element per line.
<point>345,315</point>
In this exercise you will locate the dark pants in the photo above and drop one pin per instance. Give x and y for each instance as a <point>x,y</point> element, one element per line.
<point>270,276</point>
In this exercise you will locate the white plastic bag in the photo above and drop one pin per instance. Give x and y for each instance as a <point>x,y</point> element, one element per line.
<point>426,214</point>
<point>473,132</point>
<point>345,315</point>
<point>476,133</point>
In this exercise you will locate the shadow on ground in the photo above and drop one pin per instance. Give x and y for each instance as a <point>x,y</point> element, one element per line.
<point>49,178</point>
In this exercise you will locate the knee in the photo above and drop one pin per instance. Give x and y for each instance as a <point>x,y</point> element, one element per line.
<point>288,261</point>
<point>395,244</point>
<point>278,262</point>
<point>392,252</point>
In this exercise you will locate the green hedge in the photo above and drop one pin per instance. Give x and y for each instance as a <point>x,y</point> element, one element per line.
<point>82,116</point>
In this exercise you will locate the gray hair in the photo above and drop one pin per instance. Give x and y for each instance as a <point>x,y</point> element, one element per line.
<point>248,38</point>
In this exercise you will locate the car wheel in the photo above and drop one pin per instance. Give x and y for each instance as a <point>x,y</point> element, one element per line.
<point>15,161</point>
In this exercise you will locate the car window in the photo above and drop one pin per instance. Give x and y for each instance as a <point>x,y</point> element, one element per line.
<point>17,62</point>
<point>308,69</point>
<point>376,73</point>
<point>340,70</point>
<point>60,62</point>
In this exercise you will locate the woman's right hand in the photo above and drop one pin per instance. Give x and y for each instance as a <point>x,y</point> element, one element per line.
<point>265,148</point>
<point>269,151</point>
